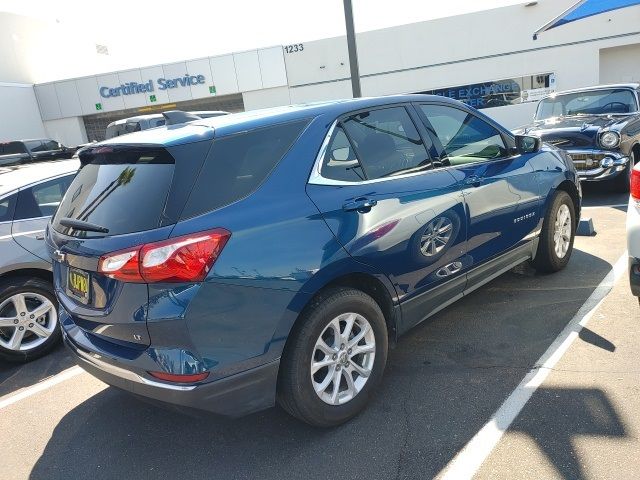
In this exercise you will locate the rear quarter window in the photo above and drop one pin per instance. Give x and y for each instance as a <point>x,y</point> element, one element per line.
<point>238,164</point>
<point>7,206</point>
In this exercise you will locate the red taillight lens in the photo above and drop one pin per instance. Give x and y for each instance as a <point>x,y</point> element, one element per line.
<point>181,259</point>
<point>122,265</point>
<point>171,377</point>
<point>635,182</point>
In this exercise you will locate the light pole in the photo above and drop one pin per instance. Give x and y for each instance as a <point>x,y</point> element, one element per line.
<point>353,51</point>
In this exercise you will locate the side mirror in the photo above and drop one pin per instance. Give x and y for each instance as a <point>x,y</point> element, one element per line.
<point>527,144</point>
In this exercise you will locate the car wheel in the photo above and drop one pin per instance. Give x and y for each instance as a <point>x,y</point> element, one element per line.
<point>334,358</point>
<point>622,183</point>
<point>29,325</point>
<point>557,235</point>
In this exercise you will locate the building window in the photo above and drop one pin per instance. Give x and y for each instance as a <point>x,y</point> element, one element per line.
<point>498,93</point>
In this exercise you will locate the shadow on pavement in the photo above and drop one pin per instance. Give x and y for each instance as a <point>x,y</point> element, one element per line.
<point>593,338</point>
<point>14,376</point>
<point>556,417</point>
<point>444,380</point>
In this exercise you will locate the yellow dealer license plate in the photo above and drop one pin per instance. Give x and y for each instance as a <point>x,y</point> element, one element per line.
<point>79,283</point>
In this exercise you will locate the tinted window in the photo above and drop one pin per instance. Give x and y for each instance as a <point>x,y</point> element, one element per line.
<point>12,148</point>
<point>51,145</point>
<point>386,142</point>
<point>238,164</point>
<point>114,130</point>
<point>34,145</point>
<point>7,206</point>
<point>464,137</point>
<point>340,161</point>
<point>131,127</point>
<point>123,189</point>
<point>41,200</point>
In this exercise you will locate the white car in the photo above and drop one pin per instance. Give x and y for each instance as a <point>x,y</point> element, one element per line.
<point>633,232</point>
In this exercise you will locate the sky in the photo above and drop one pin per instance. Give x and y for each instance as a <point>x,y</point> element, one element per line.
<point>150,32</point>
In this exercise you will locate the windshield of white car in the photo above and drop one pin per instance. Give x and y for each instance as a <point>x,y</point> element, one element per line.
<point>595,102</point>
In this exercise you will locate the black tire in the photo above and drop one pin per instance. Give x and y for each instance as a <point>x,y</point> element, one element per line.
<point>547,260</point>
<point>13,286</point>
<point>296,393</point>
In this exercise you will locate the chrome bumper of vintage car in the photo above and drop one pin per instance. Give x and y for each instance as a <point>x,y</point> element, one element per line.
<point>594,165</point>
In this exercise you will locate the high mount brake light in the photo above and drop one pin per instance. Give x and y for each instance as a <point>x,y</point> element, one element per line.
<point>177,260</point>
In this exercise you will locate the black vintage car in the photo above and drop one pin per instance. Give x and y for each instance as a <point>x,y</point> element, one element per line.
<point>599,127</point>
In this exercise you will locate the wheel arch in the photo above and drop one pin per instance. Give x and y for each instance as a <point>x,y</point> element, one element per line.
<point>380,289</point>
<point>570,187</point>
<point>40,273</point>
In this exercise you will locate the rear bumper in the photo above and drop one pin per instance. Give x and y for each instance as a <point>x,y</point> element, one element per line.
<point>231,396</point>
<point>613,164</point>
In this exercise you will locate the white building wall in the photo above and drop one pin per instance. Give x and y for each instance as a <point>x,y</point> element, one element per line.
<point>620,64</point>
<point>477,47</point>
<point>270,97</point>
<point>68,131</point>
<point>19,113</point>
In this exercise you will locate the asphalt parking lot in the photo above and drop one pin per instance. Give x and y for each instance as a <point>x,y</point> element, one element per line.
<point>444,382</point>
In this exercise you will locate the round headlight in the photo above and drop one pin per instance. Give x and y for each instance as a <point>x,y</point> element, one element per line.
<point>610,139</point>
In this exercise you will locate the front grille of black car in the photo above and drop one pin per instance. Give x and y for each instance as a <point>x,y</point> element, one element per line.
<point>586,161</point>
<point>574,141</point>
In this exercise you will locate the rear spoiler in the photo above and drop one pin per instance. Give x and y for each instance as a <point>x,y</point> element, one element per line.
<point>175,117</point>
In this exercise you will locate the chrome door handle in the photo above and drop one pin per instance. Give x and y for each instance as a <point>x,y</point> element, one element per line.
<point>449,269</point>
<point>362,205</point>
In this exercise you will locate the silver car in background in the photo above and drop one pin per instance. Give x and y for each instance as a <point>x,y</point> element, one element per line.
<point>29,195</point>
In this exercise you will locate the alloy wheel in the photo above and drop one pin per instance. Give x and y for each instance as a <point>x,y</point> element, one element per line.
<point>27,320</point>
<point>562,231</point>
<point>343,358</point>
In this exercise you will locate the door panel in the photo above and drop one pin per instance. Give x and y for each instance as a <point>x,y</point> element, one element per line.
<point>500,187</point>
<point>411,228</point>
<point>34,208</point>
<point>502,202</point>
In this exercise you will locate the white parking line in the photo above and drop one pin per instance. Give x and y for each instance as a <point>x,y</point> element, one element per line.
<point>469,460</point>
<point>39,387</point>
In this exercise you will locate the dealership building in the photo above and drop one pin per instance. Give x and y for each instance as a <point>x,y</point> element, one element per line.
<point>487,59</point>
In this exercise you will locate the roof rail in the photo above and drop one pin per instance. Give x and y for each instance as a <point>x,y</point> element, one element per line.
<point>175,117</point>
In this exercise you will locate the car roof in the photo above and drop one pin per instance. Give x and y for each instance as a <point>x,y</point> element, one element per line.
<point>14,177</point>
<point>26,140</point>
<point>239,122</point>
<point>630,86</point>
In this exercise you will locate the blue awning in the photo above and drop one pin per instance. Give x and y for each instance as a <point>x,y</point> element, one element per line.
<point>584,9</point>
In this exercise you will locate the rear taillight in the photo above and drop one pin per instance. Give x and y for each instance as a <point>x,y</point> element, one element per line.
<point>181,259</point>
<point>635,182</point>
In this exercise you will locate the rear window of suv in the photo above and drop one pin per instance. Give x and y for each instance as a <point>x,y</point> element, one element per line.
<point>237,165</point>
<point>123,189</point>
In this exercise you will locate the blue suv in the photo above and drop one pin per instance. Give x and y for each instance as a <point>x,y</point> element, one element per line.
<point>227,263</point>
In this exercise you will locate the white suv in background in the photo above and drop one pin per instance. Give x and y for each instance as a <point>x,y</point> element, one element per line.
<point>633,232</point>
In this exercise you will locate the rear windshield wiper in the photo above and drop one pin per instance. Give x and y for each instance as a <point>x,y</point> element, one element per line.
<point>82,225</point>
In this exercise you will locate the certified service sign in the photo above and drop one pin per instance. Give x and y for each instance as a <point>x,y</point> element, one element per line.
<point>132,88</point>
